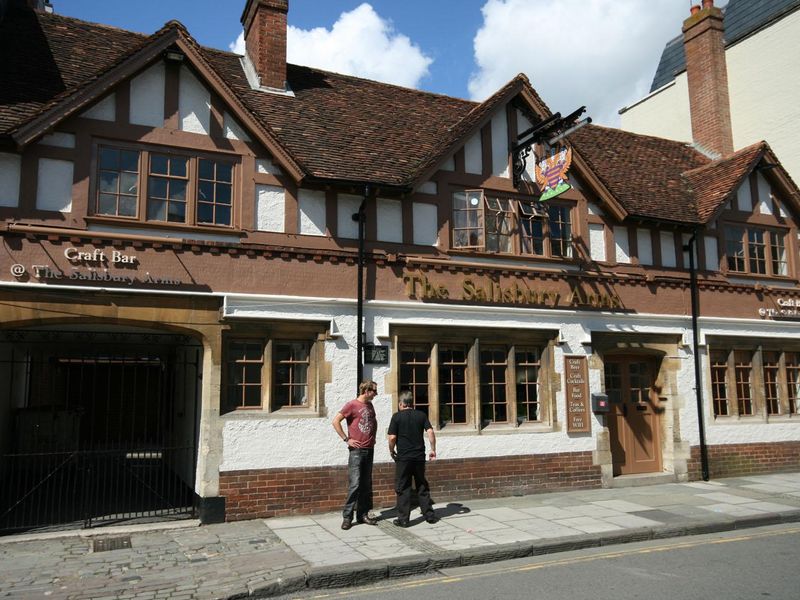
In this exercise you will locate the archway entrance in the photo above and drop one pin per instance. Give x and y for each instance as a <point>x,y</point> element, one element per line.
<point>97,426</point>
<point>633,421</point>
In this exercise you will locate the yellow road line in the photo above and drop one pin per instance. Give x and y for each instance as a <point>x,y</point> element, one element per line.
<point>401,585</point>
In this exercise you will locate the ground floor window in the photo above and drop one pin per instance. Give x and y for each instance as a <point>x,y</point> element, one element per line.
<point>461,381</point>
<point>270,372</point>
<point>756,380</point>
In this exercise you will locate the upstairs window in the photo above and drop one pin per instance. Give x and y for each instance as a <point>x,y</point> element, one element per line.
<point>162,187</point>
<point>755,251</point>
<point>511,226</point>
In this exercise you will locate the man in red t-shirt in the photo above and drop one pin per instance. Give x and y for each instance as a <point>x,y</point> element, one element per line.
<point>360,439</point>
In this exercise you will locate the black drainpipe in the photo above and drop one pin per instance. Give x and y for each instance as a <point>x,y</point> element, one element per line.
<point>695,348</point>
<point>362,219</point>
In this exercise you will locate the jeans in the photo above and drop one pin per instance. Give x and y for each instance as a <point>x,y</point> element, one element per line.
<point>359,492</point>
<point>404,471</point>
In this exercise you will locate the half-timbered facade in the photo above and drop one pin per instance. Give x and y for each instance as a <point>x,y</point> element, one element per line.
<point>178,285</point>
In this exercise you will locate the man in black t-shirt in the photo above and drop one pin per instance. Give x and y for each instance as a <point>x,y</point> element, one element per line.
<point>407,447</point>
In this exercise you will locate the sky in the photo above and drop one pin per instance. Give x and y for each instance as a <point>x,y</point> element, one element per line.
<point>598,53</point>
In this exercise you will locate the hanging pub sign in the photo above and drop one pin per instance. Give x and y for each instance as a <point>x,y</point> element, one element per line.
<point>376,354</point>
<point>551,173</point>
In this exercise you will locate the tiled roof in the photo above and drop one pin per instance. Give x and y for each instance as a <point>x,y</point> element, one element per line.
<point>711,184</point>
<point>50,56</point>
<point>642,172</point>
<point>742,18</point>
<point>343,127</point>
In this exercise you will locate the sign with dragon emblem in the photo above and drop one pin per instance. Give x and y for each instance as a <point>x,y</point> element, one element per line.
<point>551,173</point>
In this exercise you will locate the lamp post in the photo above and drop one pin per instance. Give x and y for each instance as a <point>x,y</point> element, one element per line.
<point>360,216</point>
<point>696,349</point>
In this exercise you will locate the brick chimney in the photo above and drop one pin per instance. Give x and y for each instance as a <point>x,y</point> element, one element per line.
<point>264,23</point>
<point>707,73</point>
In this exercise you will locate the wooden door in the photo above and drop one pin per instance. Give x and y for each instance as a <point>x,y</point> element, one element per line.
<point>633,421</point>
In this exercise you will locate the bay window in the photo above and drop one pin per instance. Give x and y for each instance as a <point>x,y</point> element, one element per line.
<point>755,251</point>
<point>502,225</point>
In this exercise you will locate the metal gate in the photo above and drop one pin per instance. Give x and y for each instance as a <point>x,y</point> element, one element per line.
<point>96,427</point>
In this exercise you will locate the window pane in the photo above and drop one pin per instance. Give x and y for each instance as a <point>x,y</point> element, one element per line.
<point>129,160</point>
<point>129,183</point>
<point>177,212</point>
<point>205,191</point>
<point>223,216</point>
<point>719,385</point>
<point>109,181</point>
<point>177,189</point>
<point>109,159</point>
<point>493,364</point>
<point>734,248</point>
<point>205,213</point>
<point>252,396</point>
<point>206,169</point>
<point>107,204</point>
<point>157,210</point>
<point>157,187</point>
<point>127,206</point>
<point>223,193</point>
<point>177,166</point>
<point>159,164</point>
<point>224,172</point>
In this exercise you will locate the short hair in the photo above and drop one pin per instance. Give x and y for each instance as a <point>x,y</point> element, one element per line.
<point>365,385</point>
<point>406,398</point>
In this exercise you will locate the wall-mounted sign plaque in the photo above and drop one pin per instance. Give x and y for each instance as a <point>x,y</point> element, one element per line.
<point>576,373</point>
<point>376,355</point>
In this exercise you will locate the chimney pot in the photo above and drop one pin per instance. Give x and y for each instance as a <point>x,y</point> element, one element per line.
<point>694,9</point>
<point>708,4</point>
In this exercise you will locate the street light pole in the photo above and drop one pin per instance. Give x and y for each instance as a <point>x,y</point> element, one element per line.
<point>696,349</point>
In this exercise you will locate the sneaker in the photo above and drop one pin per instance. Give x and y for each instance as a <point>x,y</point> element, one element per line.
<point>400,523</point>
<point>347,524</point>
<point>367,520</point>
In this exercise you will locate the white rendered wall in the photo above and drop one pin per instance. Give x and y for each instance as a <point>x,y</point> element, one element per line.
<point>10,165</point>
<point>390,220</point>
<point>147,97</point>
<point>58,139</point>
<point>621,245</point>
<point>105,110</point>
<point>54,185</point>
<point>500,143</point>
<point>597,242</point>
<point>664,113</point>
<point>744,197</point>
<point>426,226</point>
<point>311,205</point>
<point>523,124</point>
<point>232,130</point>
<point>256,442</point>
<point>347,206</point>
<point>712,253</point>
<point>194,104</point>
<point>270,208</point>
<point>265,165</point>
<point>644,243</point>
<point>668,258</point>
<point>473,155</point>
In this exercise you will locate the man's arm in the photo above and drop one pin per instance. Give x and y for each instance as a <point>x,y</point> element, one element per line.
<point>432,441</point>
<point>337,426</point>
<point>392,446</point>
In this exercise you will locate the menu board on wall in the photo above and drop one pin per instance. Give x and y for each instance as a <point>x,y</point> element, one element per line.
<point>577,394</point>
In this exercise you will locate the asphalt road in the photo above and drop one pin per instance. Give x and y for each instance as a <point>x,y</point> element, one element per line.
<point>738,565</point>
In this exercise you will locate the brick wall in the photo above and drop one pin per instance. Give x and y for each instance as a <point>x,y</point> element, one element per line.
<point>733,460</point>
<point>276,492</point>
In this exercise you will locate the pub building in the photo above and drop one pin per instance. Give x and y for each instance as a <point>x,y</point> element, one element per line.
<point>203,253</point>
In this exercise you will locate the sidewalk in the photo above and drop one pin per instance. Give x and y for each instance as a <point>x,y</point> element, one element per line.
<point>275,556</point>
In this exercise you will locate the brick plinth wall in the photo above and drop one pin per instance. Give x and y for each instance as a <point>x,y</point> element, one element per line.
<point>276,492</point>
<point>733,460</point>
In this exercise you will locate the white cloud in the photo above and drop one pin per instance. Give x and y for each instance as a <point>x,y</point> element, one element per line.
<point>601,53</point>
<point>360,43</point>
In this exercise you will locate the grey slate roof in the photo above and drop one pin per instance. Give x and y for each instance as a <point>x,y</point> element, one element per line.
<point>742,18</point>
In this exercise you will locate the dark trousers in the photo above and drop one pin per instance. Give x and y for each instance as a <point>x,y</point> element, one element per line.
<point>404,471</point>
<point>359,491</point>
